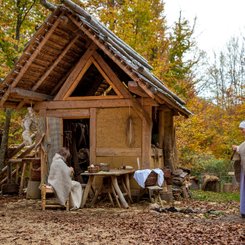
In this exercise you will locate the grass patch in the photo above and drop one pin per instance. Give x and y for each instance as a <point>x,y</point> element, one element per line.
<point>215,196</point>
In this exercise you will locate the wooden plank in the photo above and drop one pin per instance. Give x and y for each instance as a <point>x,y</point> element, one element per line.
<point>92,135</point>
<point>76,71</point>
<point>146,140</point>
<point>46,74</point>
<point>92,97</point>
<point>102,152</point>
<point>23,93</point>
<point>68,113</point>
<point>95,103</point>
<point>32,57</point>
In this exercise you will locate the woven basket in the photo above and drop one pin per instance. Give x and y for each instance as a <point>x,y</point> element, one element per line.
<point>35,174</point>
<point>94,169</point>
<point>151,179</point>
<point>104,167</point>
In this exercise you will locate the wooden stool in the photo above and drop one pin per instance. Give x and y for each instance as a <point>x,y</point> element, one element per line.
<point>154,193</point>
<point>47,189</point>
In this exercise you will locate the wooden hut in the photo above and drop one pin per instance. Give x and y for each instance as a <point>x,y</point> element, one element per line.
<point>94,94</point>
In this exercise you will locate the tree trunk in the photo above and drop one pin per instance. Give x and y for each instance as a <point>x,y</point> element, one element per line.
<point>4,143</point>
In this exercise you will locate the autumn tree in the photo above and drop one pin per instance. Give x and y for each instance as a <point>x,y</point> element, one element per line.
<point>226,75</point>
<point>16,26</point>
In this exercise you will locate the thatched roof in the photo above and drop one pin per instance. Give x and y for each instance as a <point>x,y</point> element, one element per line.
<point>56,48</point>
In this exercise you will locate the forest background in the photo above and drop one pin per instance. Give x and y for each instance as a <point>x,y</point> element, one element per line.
<point>213,88</point>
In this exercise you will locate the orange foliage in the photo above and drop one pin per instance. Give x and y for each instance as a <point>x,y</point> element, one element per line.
<point>209,131</point>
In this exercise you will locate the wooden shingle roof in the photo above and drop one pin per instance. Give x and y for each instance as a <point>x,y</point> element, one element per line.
<point>57,46</point>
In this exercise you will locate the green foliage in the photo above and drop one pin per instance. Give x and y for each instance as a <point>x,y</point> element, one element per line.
<point>16,126</point>
<point>208,164</point>
<point>220,197</point>
<point>210,131</point>
<point>139,23</point>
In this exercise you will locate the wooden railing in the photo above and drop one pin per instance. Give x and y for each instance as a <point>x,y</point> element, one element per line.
<point>19,164</point>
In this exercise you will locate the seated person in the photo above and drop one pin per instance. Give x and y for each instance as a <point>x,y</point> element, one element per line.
<point>60,178</point>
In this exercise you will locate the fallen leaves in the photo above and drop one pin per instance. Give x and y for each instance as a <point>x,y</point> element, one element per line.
<point>193,222</point>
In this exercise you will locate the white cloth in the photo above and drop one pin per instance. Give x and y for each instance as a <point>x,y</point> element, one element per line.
<point>242,124</point>
<point>60,179</point>
<point>160,176</point>
<point>141,175</point>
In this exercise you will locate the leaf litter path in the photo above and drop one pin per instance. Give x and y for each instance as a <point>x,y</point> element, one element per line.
<point>23,222</point>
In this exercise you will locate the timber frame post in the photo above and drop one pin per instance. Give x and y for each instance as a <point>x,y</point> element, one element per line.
<point>168,139</point>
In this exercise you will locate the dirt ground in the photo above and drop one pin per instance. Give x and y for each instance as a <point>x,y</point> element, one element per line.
<point>189,222</point>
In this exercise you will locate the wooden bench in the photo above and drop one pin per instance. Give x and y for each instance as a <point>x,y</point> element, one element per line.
<point>47,189</point>
<point>154,193</point>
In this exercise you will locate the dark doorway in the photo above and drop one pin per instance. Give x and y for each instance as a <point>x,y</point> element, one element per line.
<point>76,138</point>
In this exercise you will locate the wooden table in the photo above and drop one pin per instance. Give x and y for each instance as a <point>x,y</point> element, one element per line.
<point>113,174</point>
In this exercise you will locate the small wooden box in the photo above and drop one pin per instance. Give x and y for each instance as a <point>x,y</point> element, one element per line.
<point>151,179</point>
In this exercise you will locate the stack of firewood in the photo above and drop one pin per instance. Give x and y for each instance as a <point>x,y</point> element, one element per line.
<point>181,183</point>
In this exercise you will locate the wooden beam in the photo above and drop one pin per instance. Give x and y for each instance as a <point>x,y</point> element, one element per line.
<point>136,89</point>
<point>46,74</point>
<point>106,50</point>
<point>73,77</point>
<point>21,104</point>
<point>107,103</point>
<point>108,79</point>
<point>99,97</point>
<point>32,57</point>
<point>168,140</point>
<point>75,82</point>
<point>132,152</point>
<point>146,140</point>
<point>92,136</point>
<point>173,105</point>
<point>68,113</point>
<point>111,75</point>
<point>29,94</point>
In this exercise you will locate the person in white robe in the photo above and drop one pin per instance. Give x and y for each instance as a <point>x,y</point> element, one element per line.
<point>240,150</point>
<point>60,178</point>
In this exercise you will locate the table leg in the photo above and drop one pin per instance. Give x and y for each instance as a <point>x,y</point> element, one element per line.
<point>87,190</point>
<point>119,192</point>
<point>128,187</point>
<point>97,192</point>
<point>115,195</point>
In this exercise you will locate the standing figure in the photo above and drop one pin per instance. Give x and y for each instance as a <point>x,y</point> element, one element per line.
<point>240,151</point>
<point>60,178</point>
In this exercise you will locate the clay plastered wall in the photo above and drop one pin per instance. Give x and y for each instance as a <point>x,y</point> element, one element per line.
<point>112,125</point>
<point>111,141</point>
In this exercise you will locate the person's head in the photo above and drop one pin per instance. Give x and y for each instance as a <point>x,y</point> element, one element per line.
<point>64,152</point>
<point>242,126</point>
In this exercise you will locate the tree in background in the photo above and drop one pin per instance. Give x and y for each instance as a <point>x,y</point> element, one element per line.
<point>138,23</point>
<point>174,56</point>
<point>16,27</point>
<point>226,75</point>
